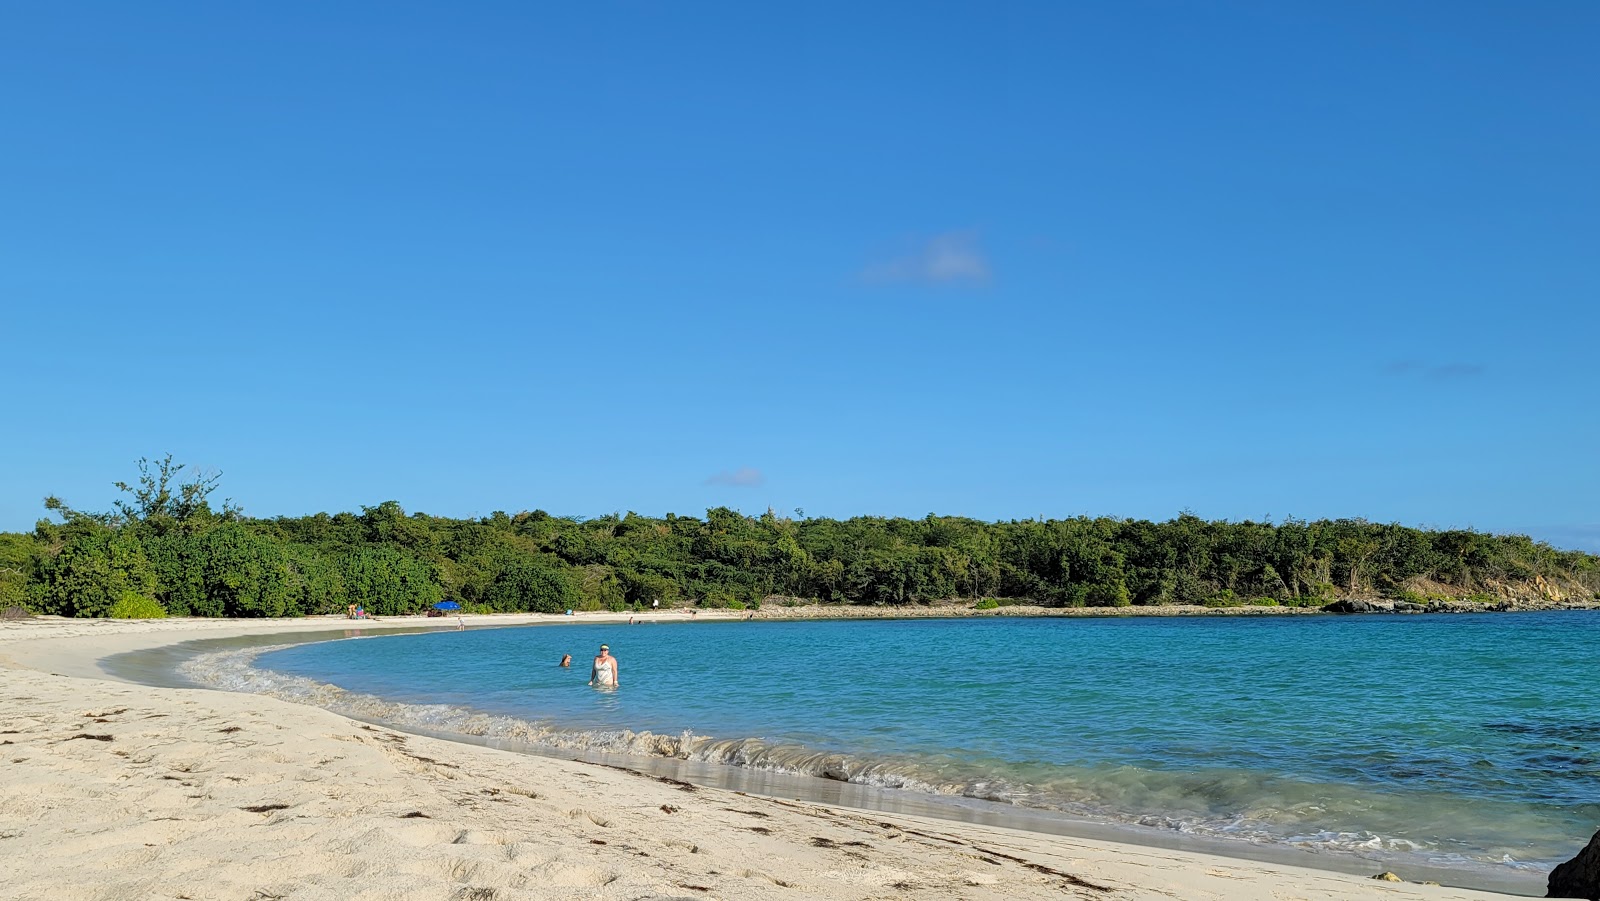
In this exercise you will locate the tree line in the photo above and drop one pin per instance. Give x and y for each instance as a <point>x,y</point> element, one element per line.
<point>165,549</point>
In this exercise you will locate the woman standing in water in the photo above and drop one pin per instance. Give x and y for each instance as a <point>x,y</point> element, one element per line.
<point>604,674</point>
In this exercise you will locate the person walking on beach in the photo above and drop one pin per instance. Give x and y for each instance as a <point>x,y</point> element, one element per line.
<point>604,674</point>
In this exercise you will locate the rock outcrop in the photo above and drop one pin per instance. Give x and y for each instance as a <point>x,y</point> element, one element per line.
<point>1354,605</point>
<point>1580,876</point>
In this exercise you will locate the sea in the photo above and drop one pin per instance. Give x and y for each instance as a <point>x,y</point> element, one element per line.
<point>1463,745</point>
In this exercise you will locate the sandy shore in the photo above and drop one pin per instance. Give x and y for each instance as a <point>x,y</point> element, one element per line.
<point>114,790</point>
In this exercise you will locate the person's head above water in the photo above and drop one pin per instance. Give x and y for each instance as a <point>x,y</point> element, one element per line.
<point>604,649</point>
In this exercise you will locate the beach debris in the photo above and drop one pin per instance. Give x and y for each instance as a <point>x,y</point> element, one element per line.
<point>1580,876</point>
<point>88,736</point>
<point>668,808</point>
<point>822,842</point>
<point>1387,876</point>
<point>265,808</point>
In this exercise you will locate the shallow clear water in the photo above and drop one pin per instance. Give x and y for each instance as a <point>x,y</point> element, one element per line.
<point>1464,740</point>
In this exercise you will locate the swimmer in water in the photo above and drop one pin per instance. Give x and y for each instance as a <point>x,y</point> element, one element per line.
<point>604,674</point>
<point>566,659</point>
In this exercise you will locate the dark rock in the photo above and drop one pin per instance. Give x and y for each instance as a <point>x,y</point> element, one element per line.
<point>1350,605</point>
<point>1408,607</point>
<point>1580,876</point>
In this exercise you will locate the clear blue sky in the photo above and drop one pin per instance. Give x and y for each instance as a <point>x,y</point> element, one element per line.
<point>998,260</point>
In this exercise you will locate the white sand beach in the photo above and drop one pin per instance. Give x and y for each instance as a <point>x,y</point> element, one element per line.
<point>115,790</point>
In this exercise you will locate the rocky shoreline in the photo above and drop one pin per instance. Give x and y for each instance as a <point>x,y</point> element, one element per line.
<point>792,608</point>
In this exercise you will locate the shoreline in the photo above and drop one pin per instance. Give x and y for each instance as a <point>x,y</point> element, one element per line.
<point>74,651</point>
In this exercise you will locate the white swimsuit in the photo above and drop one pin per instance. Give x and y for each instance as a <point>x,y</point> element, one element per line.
<point>602,674</point>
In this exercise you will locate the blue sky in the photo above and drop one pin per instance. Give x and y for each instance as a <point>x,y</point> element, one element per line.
<point>1245,259</point>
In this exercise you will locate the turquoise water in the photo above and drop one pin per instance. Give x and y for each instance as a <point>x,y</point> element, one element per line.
<point>1469,740</point>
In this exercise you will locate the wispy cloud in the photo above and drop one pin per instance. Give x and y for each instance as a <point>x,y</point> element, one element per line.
<point>1439,371</point>
<point>950,258</point>
<point>743,477</point>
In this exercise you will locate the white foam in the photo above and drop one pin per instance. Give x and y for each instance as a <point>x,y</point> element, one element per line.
<point>234,670</point>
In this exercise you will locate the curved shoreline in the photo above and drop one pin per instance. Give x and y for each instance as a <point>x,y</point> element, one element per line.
<point>63,646</point>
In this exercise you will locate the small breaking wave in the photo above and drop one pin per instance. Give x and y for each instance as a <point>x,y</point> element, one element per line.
<point>1230,805</point>
<point>235,671</point>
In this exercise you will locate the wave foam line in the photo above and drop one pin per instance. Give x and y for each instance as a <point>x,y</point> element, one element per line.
<point>235,671</point>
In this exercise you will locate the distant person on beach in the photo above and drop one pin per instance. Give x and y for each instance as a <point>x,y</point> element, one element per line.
<point>566,659</point>
<point>655,605</point>
<point>604,674</point>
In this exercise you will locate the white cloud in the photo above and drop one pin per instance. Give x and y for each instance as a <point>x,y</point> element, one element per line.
<point>743,477</point>
<point>948,258</point>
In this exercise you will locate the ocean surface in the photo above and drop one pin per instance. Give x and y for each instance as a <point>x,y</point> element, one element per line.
<point>1467,742</point>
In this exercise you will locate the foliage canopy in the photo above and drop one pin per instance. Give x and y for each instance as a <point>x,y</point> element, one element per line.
<point>165,545</point>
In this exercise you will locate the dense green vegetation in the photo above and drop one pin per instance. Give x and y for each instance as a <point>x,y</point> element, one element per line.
<point>166,548</point>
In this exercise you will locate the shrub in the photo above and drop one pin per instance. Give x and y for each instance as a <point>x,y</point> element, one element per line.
<point>133,605</point>
<point>1223,598</point>
<point>535,586</point>
<point>986,604</point>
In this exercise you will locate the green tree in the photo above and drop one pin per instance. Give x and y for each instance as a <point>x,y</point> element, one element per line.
<point>246,574</point>
<point>389,582</point>
<point>532,585</point>
<point>92,573</point>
